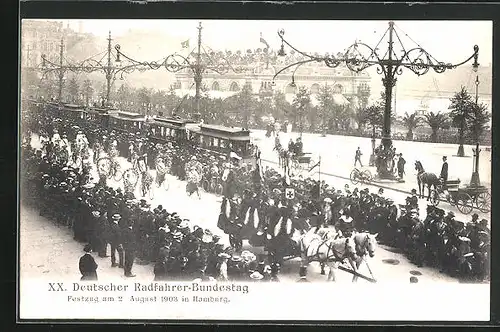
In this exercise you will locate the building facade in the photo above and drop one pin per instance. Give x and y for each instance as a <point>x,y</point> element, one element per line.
<point>258,67</point>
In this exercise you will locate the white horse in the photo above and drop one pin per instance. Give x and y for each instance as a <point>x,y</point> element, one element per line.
<point>330,251</point>
<point>365,244</point>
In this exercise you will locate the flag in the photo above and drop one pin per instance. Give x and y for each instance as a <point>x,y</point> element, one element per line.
<point>316,165</point>
<point>287,178</point>
<point>263,41</point>
<point>185,44</point>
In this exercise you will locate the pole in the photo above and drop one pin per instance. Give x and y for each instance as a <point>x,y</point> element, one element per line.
<point>108,71</point>
<point>61,71</point>
<point>388,81</point>
<point>319,174</point>
<point>198,72</point>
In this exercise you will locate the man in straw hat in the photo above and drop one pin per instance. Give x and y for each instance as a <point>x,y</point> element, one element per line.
<point>115,240</point>
<point>87,265</point>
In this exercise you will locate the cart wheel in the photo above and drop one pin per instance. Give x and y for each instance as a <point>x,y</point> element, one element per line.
<point>219,189</point>
<point>205,185</point>
<point>464,203</point>
<point>354,177</point>
<point>367,175</point>
<point>118,173</point>
<point>104,166</point>
<point>131,176</point>
<point>434,197</point>
<point>483,202</point>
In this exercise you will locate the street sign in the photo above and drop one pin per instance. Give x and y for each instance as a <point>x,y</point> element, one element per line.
<point>290,193</point>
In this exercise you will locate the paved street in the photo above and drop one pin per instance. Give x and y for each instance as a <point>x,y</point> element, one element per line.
<point>48,249</point>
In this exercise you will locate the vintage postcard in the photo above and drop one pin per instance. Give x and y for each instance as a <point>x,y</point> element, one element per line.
<point>255,170</point>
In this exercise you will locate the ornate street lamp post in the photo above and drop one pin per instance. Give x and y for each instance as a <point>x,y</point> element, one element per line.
<point>359,56</point>
<point>110,69</point>
<point>194,63</point>
<point>474,180</point>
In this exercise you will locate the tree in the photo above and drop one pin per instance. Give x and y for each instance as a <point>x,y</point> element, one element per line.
<point>263,108</point>
<point>246,103</point>
<point>411,122</point>
<point>326,104</point>
<point>281,107</point>
<point>363,95</point>
<point>361,117</point>
<point>144,99</point>
<point>73,90</point>
<point>300,106</point>
<point>478,120</point>
<point>123,94</point>
<point>436,121</point>
<point>460,107</point>
<point>375,117</point>
<point>241,105</point>
<point>88,91</point>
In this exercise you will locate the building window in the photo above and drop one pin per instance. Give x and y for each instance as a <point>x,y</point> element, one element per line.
<point>234,87</point>
<point>215,86</point>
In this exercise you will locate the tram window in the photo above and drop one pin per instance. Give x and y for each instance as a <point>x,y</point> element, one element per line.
<point>140,125</point>
<point>162,131</point>
<point>153,130</point>
<point>81,116</point>
<point>216,142</point>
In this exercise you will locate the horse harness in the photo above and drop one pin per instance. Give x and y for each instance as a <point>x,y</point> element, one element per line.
<point>330,247</point>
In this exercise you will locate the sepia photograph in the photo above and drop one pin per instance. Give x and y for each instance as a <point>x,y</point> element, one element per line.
<point>252,169</point>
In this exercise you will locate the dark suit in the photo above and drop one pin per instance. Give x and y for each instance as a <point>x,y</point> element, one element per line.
<point>115,239</point>
<point>444,172</point>
<point>88,267</point>
<point>129,247</point>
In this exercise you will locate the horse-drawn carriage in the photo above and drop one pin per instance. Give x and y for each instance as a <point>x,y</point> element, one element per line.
<point>464,198</point>
<point>300,162</point>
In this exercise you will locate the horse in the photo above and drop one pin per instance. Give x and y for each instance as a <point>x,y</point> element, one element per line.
<point>425,178</point>
<point>365,244</point>
<point>331,252</point>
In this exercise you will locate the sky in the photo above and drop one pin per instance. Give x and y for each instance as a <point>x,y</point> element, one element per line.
<point>447,41</point>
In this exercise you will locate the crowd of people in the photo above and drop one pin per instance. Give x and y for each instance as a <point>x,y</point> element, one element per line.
<point>254,203</point>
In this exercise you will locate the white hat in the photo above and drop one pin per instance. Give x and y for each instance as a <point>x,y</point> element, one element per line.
<point>327,200</point>
<point>224,255</point>
<point>116,216</point>
<point>256,275</point>
<point>206,238</point>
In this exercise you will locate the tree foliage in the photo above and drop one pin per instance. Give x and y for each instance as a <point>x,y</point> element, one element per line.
<point>88,91</point>
<point>478,120</point>
<point>411,122</point>
<point>436,121</point>
<point>300,106</point>
<point>73,90</point>
<point>461,105</point>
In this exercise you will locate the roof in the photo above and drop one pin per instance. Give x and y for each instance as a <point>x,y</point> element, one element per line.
<point>164,123</point>
<point>210,127</point>
<point>232,133</point>
<point>121,116</point>
<point>131,115</point>
<point>227,136</point>
<point>72,107</point>
<point>173,121</point>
